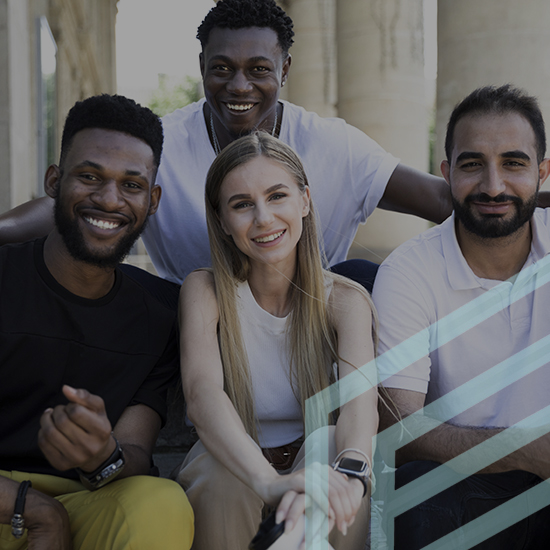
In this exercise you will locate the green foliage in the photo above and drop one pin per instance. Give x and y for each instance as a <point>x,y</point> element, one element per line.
<point>166,98</point>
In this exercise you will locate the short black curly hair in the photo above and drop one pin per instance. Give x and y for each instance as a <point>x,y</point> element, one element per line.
<point>113,112</point>
<point>240,14</point>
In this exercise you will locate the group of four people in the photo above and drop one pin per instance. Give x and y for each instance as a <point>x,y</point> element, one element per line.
<point>267,327</point>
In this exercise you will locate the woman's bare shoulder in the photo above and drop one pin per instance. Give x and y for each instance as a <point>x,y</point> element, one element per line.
<point>198,293</point>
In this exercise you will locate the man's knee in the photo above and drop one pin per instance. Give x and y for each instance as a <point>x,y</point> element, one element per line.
<point>139,512</point>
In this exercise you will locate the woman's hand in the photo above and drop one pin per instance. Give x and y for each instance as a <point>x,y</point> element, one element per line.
<point>340,505</point>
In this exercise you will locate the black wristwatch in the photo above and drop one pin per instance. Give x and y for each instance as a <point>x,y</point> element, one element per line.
<point>106,472</point>
<point>354,468</point>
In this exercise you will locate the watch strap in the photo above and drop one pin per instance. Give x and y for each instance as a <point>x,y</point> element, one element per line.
<point>106,472</point>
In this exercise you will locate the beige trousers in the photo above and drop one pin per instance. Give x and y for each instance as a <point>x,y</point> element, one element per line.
<point>228,513</point>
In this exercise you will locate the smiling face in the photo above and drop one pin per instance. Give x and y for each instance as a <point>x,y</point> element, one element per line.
<point>494,174</point>
<point>261,208</point>
<point>103,195</point>
<point>243,70</point>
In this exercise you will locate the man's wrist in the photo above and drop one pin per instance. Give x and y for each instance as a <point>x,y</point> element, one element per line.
<point>106,471</point>
<point>99,459</point>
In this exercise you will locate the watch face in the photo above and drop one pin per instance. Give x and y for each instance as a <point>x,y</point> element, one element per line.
<point>352,465</point>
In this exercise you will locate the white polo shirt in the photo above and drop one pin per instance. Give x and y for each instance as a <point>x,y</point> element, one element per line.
<point>426,290</point>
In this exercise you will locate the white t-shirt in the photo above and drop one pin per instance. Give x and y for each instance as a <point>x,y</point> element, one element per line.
<point>429,302</point>
<point>347,173</point>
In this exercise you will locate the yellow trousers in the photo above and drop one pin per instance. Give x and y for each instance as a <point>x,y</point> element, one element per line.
<point>134,513</point>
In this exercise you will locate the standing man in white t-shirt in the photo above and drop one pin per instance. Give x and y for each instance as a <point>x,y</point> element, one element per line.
<point>464,319</point>
<point>245,63</point>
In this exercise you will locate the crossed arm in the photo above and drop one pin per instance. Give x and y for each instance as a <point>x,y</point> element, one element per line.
<point>446,441</point>
<point>79,435</point>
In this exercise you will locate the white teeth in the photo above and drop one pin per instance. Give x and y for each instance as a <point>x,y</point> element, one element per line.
<point>102,224</point>
<point>269,238</point>
<point>240,107</point>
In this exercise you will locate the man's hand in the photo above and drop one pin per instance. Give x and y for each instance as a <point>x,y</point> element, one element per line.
<point>77,435</point>
<point>47,522</point>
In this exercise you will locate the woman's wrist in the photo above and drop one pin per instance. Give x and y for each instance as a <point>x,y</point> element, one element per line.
<point>265,486</point>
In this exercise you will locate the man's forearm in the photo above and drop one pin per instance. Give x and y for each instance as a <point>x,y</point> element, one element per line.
<point>442,442</point>
<point>412,191</point>
<point>543,199</point>
<point>28,221</point>
<point>8,494</point>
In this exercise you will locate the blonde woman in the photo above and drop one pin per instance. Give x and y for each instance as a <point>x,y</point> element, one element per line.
<point>266,329</point>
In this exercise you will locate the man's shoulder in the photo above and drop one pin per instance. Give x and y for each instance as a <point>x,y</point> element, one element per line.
<point>178,119</point>
<point>16,255</point>
<point>299,117</point>
<point>423,249</point>
<point>162,292</point>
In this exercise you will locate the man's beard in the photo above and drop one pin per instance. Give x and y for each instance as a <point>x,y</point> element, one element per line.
<point>75,242</point>
<point>491,226</point>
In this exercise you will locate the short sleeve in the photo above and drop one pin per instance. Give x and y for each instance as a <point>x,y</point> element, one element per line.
<point>153,391</point>
<point>404,335</point>
<point>371,168</point>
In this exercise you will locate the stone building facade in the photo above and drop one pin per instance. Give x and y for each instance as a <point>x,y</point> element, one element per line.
<point>52,53</point>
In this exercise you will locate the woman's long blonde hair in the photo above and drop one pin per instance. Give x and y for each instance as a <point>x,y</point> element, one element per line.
<point>311,336</point>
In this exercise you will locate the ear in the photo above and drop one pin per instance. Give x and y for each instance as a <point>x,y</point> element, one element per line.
<point>52,180</point>
<point>201,64</point>
<point>286,69</point>
<point>156,192</point>
<point>307,200</point>
<point>544,170</point>
<point>446,170</point>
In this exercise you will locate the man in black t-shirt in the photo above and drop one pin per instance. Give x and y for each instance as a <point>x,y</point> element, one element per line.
<point>87,352</point>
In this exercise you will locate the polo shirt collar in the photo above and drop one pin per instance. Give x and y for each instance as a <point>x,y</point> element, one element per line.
<point>459,273</point>
<point>540,245</point>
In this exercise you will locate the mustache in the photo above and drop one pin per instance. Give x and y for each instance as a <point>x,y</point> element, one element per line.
<point>484,197</point>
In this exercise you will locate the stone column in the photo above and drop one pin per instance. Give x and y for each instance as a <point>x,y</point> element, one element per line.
<point>381,90</point>
<point>17,177</point>
<point>312,82</point>
<point>491,42</point>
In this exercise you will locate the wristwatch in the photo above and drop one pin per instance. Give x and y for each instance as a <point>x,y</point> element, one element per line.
<point>354,468</point>
<point>106,472</point>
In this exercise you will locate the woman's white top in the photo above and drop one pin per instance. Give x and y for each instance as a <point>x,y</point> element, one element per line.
<point>280,419</point>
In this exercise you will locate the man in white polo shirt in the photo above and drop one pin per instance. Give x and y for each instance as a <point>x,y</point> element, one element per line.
<point>463,300</point>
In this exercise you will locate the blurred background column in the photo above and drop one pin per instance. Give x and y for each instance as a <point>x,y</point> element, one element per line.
<point>312,84</point>
<point>491,42</point>
<point>381,91</point>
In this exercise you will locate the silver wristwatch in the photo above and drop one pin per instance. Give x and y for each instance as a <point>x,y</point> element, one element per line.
<point>354,468</point>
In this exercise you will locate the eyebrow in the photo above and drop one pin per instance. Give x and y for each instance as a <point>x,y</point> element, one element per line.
<point>89,164</point>
<point>517,154</point>
<point>247,196</point>
<point>228,60</point>
<point>96,166</point>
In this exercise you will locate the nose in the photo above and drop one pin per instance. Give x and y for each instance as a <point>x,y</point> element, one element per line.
<point>108,196</point>
<point>493,183</point>
<point>239,84</point>
<point>263,215</point>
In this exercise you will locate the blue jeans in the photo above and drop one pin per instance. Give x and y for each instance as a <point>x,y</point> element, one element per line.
<point>360,271</point>
<point>466,501</point>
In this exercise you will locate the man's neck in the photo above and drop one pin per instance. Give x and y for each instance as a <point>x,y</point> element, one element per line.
<point>79,278</point>
<point>499,258</point>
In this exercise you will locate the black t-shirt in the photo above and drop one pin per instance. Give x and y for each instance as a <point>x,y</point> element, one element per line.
<point>122,347</point>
